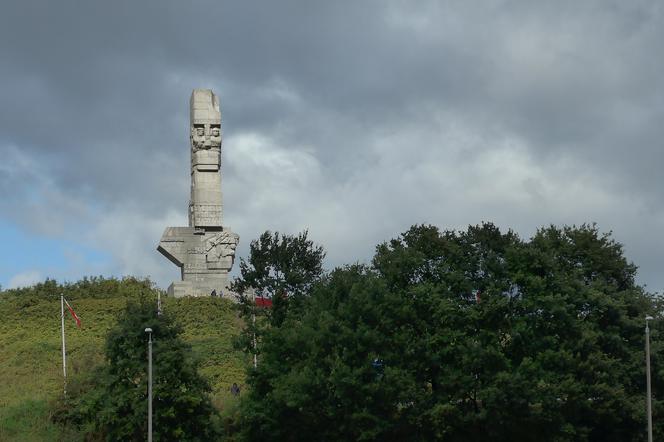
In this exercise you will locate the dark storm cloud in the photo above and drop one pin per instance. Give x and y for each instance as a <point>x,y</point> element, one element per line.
<point>355,119</point>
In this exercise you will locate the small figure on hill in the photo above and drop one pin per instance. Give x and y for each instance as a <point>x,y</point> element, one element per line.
<point>235,389</point>
<point>214,293</point>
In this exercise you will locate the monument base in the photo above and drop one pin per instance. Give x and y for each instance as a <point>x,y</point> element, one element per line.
<point>180,289</point>
<point>204,255</point>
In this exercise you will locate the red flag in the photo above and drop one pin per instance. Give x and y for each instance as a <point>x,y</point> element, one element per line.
<point>263,302</point>
<point>73,313</point>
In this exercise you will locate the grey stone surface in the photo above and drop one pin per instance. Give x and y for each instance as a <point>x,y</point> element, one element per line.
<point>205,250</point>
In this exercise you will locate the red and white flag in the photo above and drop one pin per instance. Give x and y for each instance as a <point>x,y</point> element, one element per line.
<point>73,313</point>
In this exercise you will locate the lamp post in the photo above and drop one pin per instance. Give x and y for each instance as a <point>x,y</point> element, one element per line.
<point>648,388</point>
<point>149,332</point>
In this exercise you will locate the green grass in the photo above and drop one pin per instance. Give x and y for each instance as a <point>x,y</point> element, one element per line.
<point>31,358</point>
<point>30,421</point>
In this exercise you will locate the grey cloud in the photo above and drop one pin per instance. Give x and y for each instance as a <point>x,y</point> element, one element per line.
<point>389,113</point>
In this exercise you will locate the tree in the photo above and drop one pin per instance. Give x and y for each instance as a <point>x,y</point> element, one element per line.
<point>282,268</point>
<point>117,402</point>
<point>456,336</point>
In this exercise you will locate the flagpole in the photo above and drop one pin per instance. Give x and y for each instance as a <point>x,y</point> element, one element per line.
<point>253,318</point>
<point>64,351</point>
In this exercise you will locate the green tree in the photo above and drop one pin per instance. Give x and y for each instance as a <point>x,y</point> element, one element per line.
<point>457,336</point>
<point>282,268</point>
<point>117,403</point>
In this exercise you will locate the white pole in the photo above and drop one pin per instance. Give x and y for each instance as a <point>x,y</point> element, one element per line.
<point>64,351</point>
<point>149,330</point>
<point>648,388</point>
<point>253,317</point>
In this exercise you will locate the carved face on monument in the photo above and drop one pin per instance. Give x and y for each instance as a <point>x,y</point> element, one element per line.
<point>198,137</point>
<point>215,136</point>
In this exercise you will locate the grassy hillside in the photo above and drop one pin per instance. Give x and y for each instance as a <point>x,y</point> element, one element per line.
<point>30,352</point>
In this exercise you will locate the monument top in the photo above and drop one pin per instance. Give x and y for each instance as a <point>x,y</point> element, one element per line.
<point>204,107</point>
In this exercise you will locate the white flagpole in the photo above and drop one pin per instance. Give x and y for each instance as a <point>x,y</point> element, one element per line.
<point>64,351</point>
<point>253,318</point>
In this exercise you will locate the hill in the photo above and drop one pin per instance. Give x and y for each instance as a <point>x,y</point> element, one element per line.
<point>30,346</point>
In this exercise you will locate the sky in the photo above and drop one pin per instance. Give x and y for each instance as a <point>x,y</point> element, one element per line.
<point>352,119</point>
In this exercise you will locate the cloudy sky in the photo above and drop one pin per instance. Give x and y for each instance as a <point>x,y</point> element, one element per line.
<point>351,119</point>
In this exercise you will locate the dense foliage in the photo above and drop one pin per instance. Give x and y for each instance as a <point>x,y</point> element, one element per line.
<point>458,336</point>
<point>453,336</point>
<point>281,268</point>
<point>116,404</point>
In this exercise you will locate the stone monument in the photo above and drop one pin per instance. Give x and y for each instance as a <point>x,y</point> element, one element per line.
<point>205,250</point>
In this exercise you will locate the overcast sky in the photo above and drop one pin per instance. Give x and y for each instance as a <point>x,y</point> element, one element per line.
<point>351,119</point>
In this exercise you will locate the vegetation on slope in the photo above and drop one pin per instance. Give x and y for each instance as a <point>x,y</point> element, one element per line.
<point>30,346</point>
<point>453,336</point>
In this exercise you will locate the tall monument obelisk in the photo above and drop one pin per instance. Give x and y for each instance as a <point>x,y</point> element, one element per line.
<point>205,250</point>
